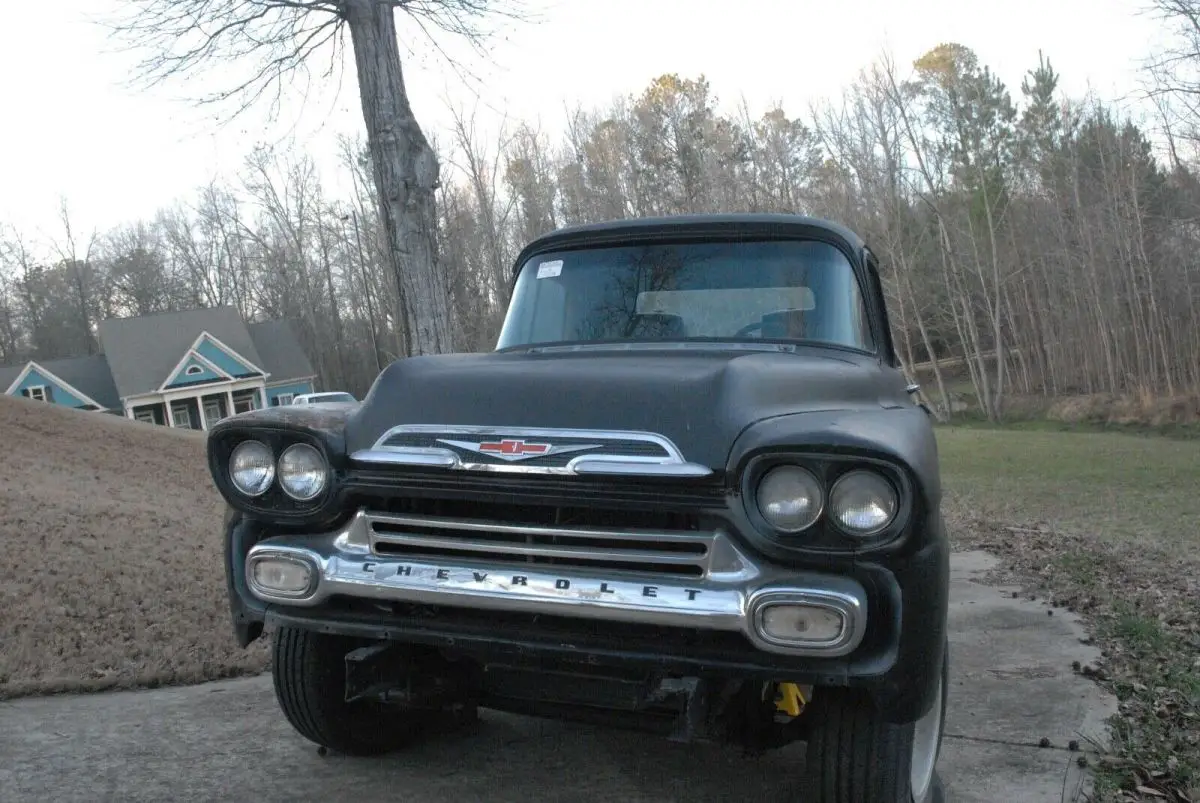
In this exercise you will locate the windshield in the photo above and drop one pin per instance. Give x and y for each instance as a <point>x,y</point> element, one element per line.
<point>778,290</point>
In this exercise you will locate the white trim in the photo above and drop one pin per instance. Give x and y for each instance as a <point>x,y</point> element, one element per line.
<point>293,381</point>
<point>279,398</point>
<point>191,390</point>
<point>40,389</point>
<point>67,386</point>
<point>215,387</point>
<point>173,375</point>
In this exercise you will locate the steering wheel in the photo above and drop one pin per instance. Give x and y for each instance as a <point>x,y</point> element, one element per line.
<point>748,328</point>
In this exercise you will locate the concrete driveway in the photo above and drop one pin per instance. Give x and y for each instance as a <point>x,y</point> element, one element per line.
<point>1011,685</point>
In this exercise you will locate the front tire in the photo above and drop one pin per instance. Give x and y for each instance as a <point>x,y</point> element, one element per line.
<point>309,671</point>
<point>855,757</point>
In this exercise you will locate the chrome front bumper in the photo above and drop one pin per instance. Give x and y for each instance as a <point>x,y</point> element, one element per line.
<point>730,592</point>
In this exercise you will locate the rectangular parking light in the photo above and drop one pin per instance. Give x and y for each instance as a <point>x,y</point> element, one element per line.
<point>284,576</point>
<point>799,624</point>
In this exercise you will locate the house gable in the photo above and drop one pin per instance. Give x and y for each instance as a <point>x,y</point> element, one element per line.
<point>224,358</point>
<point>195,370</point>
<point>36,382</point>
<point>209,360</point>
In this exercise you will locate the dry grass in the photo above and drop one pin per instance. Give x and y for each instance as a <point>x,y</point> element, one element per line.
<point>1140,409</point>
<point>111,573</point>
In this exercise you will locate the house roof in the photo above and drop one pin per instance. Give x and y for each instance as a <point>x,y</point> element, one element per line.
<point>89,375</point>
<point>282,355</point>
<point>142,351</point>
<point>10,372</point>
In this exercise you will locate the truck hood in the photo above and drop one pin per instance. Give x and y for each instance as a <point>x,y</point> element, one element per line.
<point>701,399</point>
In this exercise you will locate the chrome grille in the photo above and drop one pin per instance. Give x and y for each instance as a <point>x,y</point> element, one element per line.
<point>572,447</point>
<point>678,553</point>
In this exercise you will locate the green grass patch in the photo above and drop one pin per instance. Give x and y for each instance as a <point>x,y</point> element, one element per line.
<point>1121,488</point>
<point>973,419</point>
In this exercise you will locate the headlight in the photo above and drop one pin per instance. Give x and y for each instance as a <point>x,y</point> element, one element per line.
<point>252,467</point>
<point>789,498</point>
<point>864,503</point>
<point>302,472</point>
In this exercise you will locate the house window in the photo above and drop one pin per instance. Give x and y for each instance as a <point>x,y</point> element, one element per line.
<point>284,398</point>
<point>212,410</point>
<point>144,415</point>
<point>36,392</point>
<point>243,401</point>
<point>192,370</point>
<point>182,416</point>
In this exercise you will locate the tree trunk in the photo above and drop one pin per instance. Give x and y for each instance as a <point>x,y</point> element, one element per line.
<point>406,176</point>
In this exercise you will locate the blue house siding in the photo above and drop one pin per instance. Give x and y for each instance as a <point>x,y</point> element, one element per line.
<point>295,388</point>
<point>223,359</point>
<point>183,379</point>
<point>58,394</point>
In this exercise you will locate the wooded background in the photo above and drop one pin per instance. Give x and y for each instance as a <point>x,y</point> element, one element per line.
<point>1035,245</point>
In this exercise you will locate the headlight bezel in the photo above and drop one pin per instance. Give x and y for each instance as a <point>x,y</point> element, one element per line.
<point>275,504</point>
<point>826,535</point>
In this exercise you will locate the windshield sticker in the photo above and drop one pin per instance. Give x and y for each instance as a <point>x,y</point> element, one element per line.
<point>549,269</point>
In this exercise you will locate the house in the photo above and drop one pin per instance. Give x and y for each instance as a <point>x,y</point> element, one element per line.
<point>84,383</point>
<point>183,369</point>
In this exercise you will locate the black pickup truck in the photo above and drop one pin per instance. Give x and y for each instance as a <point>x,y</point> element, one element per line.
<point>690,491</point>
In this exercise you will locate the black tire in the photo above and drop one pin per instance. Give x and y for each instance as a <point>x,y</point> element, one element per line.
<point>309,671</point>
<point>855,757</point>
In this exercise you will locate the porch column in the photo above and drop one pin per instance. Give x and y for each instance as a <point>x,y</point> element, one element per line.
<point>229,401</point>
<point>203,418</point>
<point>170,413</point>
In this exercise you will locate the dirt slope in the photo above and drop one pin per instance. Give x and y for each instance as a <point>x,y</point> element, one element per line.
<point>110,567</point>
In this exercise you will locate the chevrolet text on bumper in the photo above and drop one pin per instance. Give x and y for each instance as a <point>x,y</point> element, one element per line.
<point>784,612</point>
<point>689,493</point>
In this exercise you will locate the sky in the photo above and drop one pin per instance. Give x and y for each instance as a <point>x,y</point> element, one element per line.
<point>72,126</point>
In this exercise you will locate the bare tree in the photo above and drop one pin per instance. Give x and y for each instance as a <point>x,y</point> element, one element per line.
<point>1174,72</point>
<point>282,38</point>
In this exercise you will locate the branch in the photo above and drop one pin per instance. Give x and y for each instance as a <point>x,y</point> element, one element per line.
<point>182,39</point>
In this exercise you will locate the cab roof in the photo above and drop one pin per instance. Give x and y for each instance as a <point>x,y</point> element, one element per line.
<point>691,227</point>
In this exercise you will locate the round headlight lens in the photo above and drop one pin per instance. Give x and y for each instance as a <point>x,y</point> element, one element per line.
<point>864,503</point>
<point>252,467</point>
<point>302,472</point>
<point>789,498</point>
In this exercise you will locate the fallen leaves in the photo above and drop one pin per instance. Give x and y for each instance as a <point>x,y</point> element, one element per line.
<point>1142,608</point>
